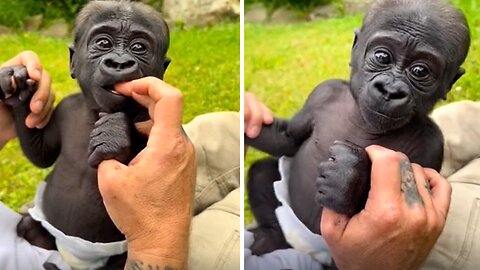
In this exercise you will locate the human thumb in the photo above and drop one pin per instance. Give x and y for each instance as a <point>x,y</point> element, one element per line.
<point>333,225</point>
<point>110,174</point>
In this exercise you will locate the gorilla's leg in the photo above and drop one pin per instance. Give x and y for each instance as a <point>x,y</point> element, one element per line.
<point>32,231</point>
<point>116,262</point>
<point>263,202</point>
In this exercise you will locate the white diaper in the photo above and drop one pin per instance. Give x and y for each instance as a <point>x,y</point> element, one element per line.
<point>77,252</point>
<point>296,233</point>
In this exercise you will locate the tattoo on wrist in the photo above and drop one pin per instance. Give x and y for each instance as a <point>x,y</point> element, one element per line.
<point>408,184</point>
<point>139,265</point>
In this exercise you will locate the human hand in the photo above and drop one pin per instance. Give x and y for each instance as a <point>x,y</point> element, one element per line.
<point>41,103</point>
<point>150,200</point>
<point>404,215</point>
<point>255,115</point>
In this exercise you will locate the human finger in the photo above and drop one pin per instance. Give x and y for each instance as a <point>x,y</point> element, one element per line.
<point>441,191</point>
<point>42,95</point>
<point>254,121</point>
<point>385,175</point>
<point>408,185</point>
<point>145,101</point>
<point>167,113</point>
<point>423,186</point>
<point>267,115</point>
<point>144,127</point>
<point>30,60</point>
<point>42,119</point>
<point>247,113</point>
<point>108,177</point>
<point>333,225</point>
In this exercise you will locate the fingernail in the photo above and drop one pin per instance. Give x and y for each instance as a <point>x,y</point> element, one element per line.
<point>253,131</point>
<point>268,119</point>
<point>37,73</point>
<point>38,106</point>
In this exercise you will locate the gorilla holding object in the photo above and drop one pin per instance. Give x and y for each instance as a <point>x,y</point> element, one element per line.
<point>114,42</point>
<point>405,57</point>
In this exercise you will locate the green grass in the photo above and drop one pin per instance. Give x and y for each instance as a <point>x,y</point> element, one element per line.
<point>283,63</point>
<point>205,67</point>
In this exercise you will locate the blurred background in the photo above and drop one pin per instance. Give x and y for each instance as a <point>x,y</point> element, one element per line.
<point>293,45</point>
<point>204,48</point>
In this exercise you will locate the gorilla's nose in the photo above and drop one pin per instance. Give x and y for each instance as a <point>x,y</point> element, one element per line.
<point>119,66</point>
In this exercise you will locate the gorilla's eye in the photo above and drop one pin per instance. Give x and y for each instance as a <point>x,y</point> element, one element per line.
<point>104,43</point>
<point>382,57</point>
<point>138,48</point>
<point>420,71</point>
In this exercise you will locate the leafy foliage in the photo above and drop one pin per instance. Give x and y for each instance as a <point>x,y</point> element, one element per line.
<point>296,4</point>
<point>14,12</point>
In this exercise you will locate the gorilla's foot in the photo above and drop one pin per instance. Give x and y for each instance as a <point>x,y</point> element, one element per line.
<point>32,231</point>
<point>268,240</point>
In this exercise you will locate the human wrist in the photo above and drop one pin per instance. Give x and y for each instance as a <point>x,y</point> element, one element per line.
<point>165,254</point>
<point>6,135</point>
<point>165,247</point>
<point>140,261</point>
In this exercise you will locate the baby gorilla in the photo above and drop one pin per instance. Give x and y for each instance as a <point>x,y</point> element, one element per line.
<point>405,57</point>
<point>114,42</point>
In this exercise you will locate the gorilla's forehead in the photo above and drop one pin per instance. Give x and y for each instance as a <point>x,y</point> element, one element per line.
<point>404,41</point>
<point>124,18</point>
<point>424,33</point>
<point>121,20</point>
<point>121,26</point>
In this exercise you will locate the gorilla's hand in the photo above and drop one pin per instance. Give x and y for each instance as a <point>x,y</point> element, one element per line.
<point>344,180</point>
<point>16,88</point>
<point>110,139</point>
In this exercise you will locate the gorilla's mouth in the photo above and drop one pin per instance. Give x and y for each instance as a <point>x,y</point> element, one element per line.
<point>391,117</point>
<point>111,89</point>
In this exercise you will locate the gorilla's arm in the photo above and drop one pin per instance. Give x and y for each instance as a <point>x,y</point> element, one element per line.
<point>283,137</point>
<point>41,146</point>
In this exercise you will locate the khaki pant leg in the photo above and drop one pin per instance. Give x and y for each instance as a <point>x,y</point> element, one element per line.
<point>215,236</point>
<point>215,230</point>
<point>459,244</point>
<point>216,137</point>
<point>459,123</point>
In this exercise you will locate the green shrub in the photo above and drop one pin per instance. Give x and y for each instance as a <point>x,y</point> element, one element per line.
<point>295,4</point>
<point>14,12</point>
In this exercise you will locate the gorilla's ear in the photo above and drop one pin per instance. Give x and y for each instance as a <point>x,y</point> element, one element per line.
<point>459,74</point>
<point>166,62</point>
<point>355,42</point>
<point>71,48</point>
<point>355,39</point>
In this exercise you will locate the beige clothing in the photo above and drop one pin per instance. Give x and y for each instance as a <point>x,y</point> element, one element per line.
<point>215,233</point>
<point>459,244</point>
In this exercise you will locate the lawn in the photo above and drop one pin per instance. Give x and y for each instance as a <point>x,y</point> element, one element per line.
<point>283,63</point>
<point>205,67</point>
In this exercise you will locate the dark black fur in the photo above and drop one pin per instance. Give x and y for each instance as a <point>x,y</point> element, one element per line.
<point>405,58</point>
<point>114,42</point>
